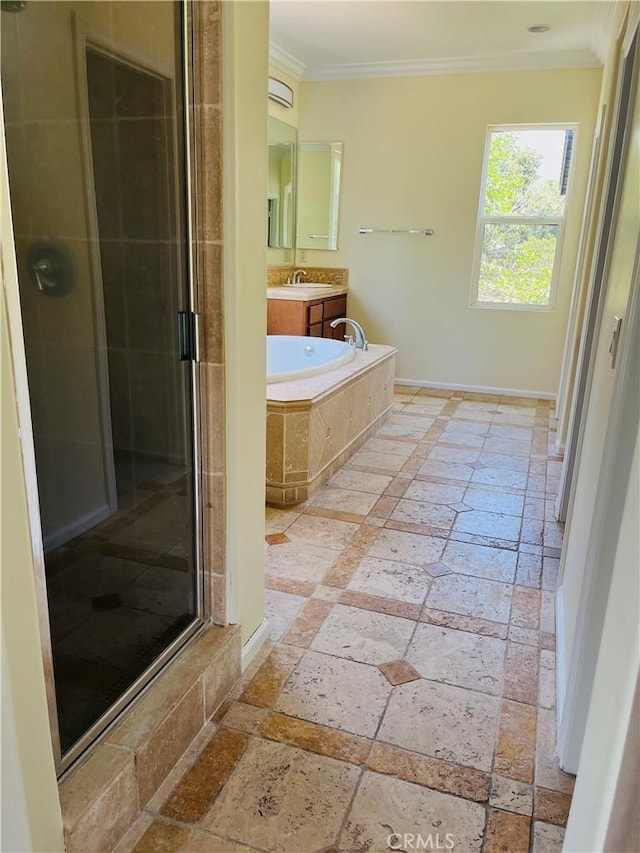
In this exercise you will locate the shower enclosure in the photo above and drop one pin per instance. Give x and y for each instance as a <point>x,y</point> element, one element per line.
<point>95,98</point>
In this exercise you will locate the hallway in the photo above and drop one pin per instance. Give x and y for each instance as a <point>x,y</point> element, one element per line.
<point>408,699</point>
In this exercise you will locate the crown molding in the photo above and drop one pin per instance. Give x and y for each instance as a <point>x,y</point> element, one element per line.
<point>285,61</point>
<point>550,60</point>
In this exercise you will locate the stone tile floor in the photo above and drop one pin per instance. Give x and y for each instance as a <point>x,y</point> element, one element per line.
<point>408,697</point>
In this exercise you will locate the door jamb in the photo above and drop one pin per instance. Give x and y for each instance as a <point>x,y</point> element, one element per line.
<point>595,296</point>
<point>574,692</point>
<point>23,403</point>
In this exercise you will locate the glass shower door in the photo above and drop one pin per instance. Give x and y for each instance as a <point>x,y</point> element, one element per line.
<point>94,97</point>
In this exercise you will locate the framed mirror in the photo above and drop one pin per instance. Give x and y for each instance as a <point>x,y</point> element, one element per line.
<point>281,188</point>
<point>318,202</point>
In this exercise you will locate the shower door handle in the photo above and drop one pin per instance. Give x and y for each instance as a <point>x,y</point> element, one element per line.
<point>188,337</point>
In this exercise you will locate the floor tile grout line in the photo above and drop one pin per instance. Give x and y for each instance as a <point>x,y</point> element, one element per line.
<point>157,815</point>
<point>374,739</point>
<point>410,477</point>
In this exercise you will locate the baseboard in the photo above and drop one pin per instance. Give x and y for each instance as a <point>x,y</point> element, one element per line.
<point>477,389</point>
<point>255,642</point>
<point>76,528</point>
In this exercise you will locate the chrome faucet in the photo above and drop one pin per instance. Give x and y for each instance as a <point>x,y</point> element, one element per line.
<point>296,276</point>
<point>361,341</point>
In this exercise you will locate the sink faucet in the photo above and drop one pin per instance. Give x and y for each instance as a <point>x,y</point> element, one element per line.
<point>361,341</point>
<point>296,276</point>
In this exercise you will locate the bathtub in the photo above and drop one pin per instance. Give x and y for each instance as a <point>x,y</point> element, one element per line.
<point>317,419</point>
<point>290,357</point>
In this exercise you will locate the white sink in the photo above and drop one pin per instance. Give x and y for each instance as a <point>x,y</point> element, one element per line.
<point>306,284</point>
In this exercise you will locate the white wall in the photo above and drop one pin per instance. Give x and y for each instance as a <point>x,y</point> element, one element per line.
<point>610,712</point>
<point>245,58</point>
<point>413,153</point>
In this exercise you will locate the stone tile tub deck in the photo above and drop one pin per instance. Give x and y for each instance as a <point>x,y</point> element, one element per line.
<point>315,424</point>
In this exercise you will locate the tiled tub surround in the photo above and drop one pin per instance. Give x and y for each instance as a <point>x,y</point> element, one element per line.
<point>315,424</point>
<point>410,687</point>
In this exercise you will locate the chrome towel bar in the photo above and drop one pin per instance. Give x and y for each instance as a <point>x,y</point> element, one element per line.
<point>428,232</point>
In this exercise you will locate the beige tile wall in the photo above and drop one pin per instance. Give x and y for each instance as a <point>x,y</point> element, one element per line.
<point>207,178</point>
<point>308,441</point>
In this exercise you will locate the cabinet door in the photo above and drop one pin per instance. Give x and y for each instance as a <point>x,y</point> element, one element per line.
<point>315,313</point>
<point>336,334</point>
<point>335,306</point>
<point>286,317</point>
<point>316,331</point>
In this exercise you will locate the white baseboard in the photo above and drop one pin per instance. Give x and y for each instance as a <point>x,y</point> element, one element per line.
<point>477,389</point>
<point>64,534</point>
<point>255,642</point>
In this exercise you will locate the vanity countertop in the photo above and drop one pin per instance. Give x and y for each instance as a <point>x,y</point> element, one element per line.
<point>305,294</point>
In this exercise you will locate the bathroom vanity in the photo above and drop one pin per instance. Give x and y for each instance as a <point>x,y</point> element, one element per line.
<point>306,311</point>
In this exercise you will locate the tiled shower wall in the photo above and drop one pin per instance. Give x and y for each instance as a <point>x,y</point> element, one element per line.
<point>142,262</point>
<point>207,195</point>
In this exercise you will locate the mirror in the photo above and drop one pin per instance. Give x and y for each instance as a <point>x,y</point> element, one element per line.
<point>319,167</point>
<point>281,192</point>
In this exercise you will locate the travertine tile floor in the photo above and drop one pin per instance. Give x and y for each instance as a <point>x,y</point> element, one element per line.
<point>410,687</point>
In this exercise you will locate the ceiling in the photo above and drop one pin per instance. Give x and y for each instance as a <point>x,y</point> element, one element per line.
<point>335,39</point>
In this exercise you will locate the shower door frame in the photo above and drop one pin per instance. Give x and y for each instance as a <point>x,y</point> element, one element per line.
<point>84,36</point>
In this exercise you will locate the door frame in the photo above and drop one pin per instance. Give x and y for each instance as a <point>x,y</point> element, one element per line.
<point>573,327</point>
<point>23,404</point>
<point>609,203</point>
<point>574,686</point>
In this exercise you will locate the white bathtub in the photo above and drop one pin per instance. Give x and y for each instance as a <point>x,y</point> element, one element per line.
<point>291,357</point>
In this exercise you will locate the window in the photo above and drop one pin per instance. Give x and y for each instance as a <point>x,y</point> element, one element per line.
<point>526,178</point>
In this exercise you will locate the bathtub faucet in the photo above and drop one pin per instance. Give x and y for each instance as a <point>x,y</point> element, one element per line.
<point>361,341</point>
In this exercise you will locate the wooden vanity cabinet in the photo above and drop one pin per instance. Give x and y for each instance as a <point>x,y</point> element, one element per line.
<point>313,318</point>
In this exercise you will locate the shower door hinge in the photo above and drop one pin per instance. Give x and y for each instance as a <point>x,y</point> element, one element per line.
<point>188,336</point>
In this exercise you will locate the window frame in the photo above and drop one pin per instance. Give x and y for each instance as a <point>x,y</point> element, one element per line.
<point>483,220</point>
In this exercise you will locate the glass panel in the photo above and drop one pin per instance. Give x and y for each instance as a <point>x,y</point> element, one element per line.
<point>319,168</point>
<point>527,172</point>
<point>517,264</point>
<point>281,192</point>
<point>94,97</point>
